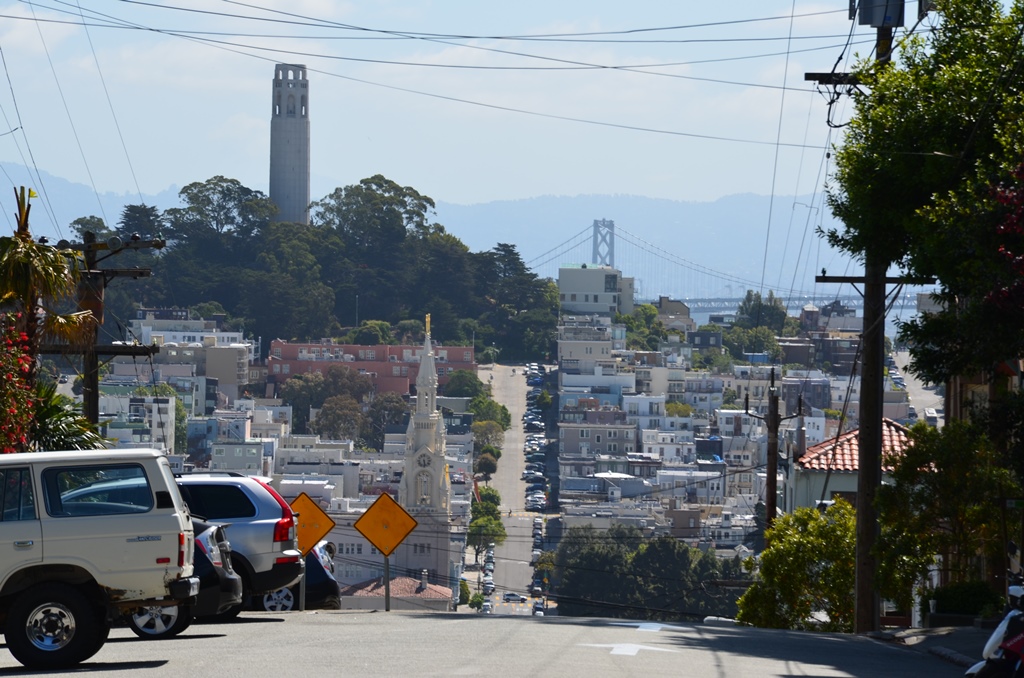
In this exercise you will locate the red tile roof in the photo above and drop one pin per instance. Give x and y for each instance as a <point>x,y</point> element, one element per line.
<point>401,587</point>
<point>842,454</point>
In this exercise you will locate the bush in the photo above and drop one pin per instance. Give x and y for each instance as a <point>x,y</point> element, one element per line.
<point>968,597</point>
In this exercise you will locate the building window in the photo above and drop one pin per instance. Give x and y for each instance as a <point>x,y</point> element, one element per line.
<point>584,433</point>
<point>467,357</point>
<point>573,297</point>
<point>287,368</point>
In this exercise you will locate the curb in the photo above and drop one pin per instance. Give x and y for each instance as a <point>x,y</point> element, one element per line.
<point>952,656</point>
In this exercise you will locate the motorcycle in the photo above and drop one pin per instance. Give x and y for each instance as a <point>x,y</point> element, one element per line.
<point>1003,655</point>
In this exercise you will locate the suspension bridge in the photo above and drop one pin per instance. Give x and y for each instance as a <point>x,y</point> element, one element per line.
<point>659,272</point>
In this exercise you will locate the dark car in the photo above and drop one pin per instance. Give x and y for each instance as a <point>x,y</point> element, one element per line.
<point>323,592</point>
<point>220,588</point>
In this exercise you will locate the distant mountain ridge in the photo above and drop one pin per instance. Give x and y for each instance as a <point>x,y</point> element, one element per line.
<point>667,245</point>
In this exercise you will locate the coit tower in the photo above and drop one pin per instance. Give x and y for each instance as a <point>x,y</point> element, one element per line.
<point>289,143</point>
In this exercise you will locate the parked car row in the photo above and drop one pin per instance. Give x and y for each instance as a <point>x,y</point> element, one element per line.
<point>246,554</point>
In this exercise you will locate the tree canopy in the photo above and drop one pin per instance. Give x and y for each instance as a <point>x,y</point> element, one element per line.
<point>804,578</point>
<point>371,263</point>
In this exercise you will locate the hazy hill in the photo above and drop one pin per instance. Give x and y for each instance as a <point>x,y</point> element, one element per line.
<point>665,244</point>
<point>669,246</point>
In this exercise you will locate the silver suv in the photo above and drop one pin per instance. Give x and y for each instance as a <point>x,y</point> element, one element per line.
<point>264,546</point>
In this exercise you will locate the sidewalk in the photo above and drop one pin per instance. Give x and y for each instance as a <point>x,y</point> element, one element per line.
<point>961,645</point>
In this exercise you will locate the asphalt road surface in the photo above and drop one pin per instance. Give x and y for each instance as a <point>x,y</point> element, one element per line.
<point>350,643</point>
<point>512,570</point>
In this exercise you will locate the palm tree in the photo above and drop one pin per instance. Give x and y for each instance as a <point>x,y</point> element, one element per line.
<point>58,424</point>
<point>35,279</point>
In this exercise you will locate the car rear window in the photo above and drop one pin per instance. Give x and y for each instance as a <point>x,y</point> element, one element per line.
<point>97,490</point>
<point>217,502</point>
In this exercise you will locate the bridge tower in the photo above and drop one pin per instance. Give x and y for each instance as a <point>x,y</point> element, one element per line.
<point>604,242</point>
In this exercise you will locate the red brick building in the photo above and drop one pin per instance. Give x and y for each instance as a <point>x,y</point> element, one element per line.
<point>391,368</point>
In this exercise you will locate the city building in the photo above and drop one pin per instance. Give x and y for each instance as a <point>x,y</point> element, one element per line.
<point>595,289</point>
<point>392,369</point>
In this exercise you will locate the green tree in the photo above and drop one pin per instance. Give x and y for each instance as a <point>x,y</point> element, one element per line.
<point>485,464</point>
<point>371,333</point>
<point>340,380</point>
<point>487,434</point>
<point>490,450</point>
<point>806,569</point>
<point>484,531</point>
<point>464,593</point>
<point>386,409</point>
<point>476,602</point>
<point>464,384</point>
<point>302,392</point>
<point>340,418</point>
<point>220,205</point>
<point>677,409</point>
<point>485,409</point>
<point>488,506</point>
<point>591,567</point>
<point>544,401</point>
<point>940,501</point>
<point>755,312</point>
<point>36,281</point>
<point>58,424</point>
<point>926,178</point>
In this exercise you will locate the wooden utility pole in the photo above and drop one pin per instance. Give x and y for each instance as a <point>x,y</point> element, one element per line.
<point>883,16</point>
<point>773,422</point>
<point>91,286</point>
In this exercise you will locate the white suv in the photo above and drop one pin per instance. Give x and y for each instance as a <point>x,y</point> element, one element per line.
<point>262,529</point>
<point>71,562</point>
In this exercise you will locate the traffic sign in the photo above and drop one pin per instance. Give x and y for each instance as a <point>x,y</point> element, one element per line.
<point>385,524</point>
<point>312,525</point>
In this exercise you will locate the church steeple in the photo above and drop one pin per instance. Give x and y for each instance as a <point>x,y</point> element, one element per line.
<point>426,380</point>
<point>425,485</point>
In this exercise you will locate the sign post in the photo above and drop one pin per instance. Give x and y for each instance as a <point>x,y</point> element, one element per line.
<point>311,525</point>
<point>385,525</point>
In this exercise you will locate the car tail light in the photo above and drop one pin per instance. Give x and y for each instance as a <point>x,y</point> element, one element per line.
<point>181,549</point>
<point>284,530</point>
<point>208,545</point>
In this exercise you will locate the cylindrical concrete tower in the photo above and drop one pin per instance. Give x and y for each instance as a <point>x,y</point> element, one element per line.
<point>289,143</point>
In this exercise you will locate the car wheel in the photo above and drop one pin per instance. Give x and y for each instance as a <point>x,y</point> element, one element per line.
<point>53,626</point>
<point>156,622</point>
<point>282,600</point>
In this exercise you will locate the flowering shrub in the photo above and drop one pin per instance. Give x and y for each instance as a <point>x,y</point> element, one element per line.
<point>15,391</point>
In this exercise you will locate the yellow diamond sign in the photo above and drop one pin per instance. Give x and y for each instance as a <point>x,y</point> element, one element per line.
<point>312,525</point>
<point>385,524</point>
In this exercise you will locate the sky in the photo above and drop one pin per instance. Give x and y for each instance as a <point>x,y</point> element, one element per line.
<point>466,102</point>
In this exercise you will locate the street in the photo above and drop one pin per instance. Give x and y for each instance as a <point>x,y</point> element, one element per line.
<point>512,570</point>
<point>921,396</point>
<point>351,643</point>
